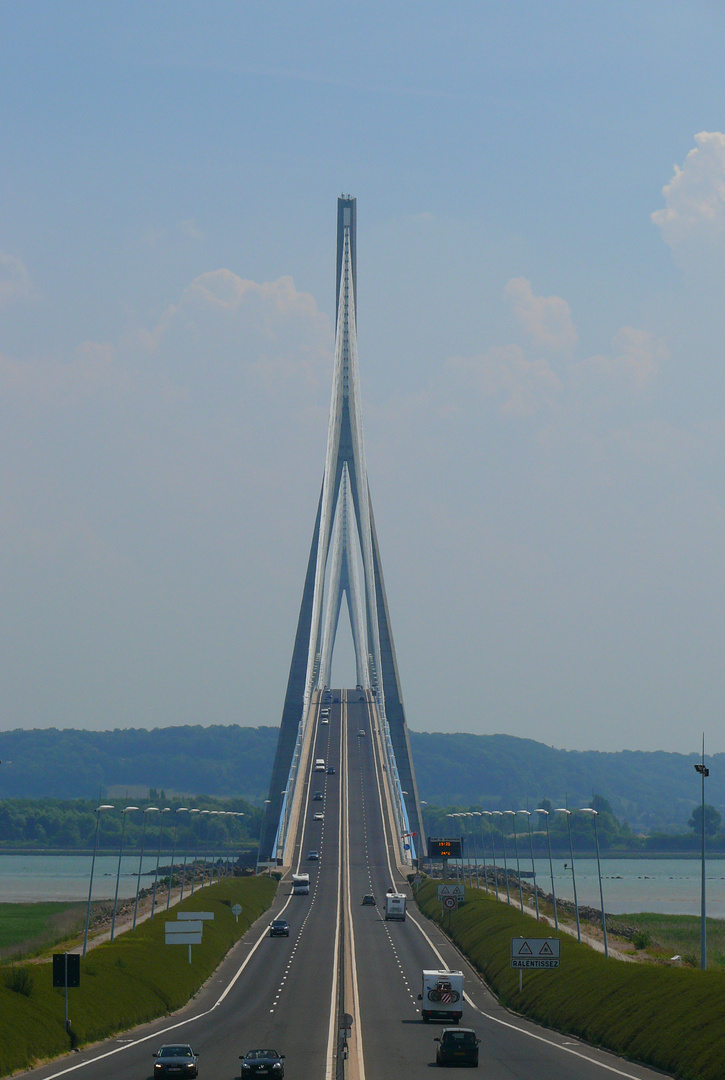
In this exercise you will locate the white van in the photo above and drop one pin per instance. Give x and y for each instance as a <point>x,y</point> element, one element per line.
<point>319,764</point>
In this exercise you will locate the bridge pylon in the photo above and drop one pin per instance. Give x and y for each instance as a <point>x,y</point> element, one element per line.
<point>344,562</point>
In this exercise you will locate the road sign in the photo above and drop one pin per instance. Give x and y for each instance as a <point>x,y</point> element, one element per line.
<point>452,890</point>
<point>535,952</point>
<point>449,902</point>
<point>187,932</point>
<point>195,915</point>
<point>237,911</point>
<point>66,969</point>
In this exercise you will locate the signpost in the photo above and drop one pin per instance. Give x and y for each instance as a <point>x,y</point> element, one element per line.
<point>536,953</point>
<point>237,911</point>
<point>458,891</point>
<point>66,972</point>
<point>187,928</point>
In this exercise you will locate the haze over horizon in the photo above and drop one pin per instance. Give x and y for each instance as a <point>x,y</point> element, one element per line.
<point>541,254</point>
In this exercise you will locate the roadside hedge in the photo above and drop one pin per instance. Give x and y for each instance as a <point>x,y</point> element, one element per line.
<point>669,1018</point>
<point>135,979</point>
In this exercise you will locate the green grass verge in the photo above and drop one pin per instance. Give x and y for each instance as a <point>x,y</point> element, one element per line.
<point>26,928</point>
<point>129,982</point>
<point>663,936</point>
<point>669,1018</point>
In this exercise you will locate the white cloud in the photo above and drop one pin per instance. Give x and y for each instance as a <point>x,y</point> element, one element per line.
<point>523,387</point>
<point>695,197</point>
<point>15,281</point>
<point>547,319</point>
<point>631,366</point>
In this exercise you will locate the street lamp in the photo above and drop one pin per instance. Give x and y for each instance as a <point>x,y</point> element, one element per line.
<point>489,815</point>
<point>97,812</point>
<point>563,810</point>
<point>533,864</point>
<point>595,814</point>
<point>703,771</point>
<point>148,810</point>
<point>189,832</point>
<point>479,815</point>
<point>499,813</point>
<point>469,813</point>
<point>118,872</point>
<point>166,810</point>
<point>179,810</point>
<point>206,847</point>
<point>540,810</point>
<point>516,846</point>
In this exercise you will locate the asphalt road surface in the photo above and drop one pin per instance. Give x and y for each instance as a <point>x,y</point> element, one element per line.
<point>283,992</point>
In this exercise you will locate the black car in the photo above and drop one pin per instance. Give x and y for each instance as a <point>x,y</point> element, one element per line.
<point>330,770</point>
<point>279,928</point>
<point>457,1046</point>
<point>262,1063</point>
<point>177,1059</point>
<point>313,856</point>
<point>368,900</point>
<point>317,797</point>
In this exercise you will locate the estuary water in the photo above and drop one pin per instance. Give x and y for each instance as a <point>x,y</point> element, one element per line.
<point>28,878</point>
<point>667,886</point>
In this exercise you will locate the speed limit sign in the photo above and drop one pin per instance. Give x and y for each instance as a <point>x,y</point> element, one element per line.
<point>450,902</point>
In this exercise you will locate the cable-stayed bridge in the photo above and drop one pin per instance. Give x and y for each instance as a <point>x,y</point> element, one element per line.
<point>344,563</point>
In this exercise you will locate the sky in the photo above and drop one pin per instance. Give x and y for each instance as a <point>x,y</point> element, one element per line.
<point>541,259</point>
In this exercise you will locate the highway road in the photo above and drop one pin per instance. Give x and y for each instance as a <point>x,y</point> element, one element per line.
<point>284,992</point>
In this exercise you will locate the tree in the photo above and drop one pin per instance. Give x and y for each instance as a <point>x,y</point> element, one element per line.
<point>712,820</point>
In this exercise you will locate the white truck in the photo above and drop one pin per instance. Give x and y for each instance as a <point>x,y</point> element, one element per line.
<point>395,906</point>
<point>300,884</point>
<point>442,997</point>
<point>319,764</point>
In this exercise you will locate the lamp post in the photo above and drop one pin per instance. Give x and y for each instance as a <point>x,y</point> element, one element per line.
<point>703,771</point>
<point>499,813</point>
<point>470,814</point>
<point>118,871</point>
<point>425,827</point>
<point>533,864</point>
<point>479,815</point>
<point>196,849</point>
<point>516,847</point>
<point>563,810</point>
<point>595,814</point>
<point>179,810</point>
<point>166,810</point>
<point>237,814</point>
<point>97,812</point>
<point>540,810</point>
<point>189,830</point>
<point>489,815</point>
<point>206,844</point>
<point>148,810</point>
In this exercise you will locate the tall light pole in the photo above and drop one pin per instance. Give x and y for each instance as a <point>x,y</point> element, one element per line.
<point>166,810</point>
<point>189,833</point>
<point>179,810</point>
<point>470,814</point>
<point>148,810</point>
<point>595,814</point>
<point>479,815</point>
<point>533,864</point>
<point>206,844</point>
<point>563,810</point>
<point>703,771</point>
<point>97,812</point>
<point>540,810</point>
<point>499,813</point>
<point>489,815</point>
<point>118,872</point>
<point>425,828</point>
<point>516,847</point>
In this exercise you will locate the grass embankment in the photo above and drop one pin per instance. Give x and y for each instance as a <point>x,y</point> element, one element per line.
<point>26,929</point>
<point>128,982</point>
<point>670,1018</point>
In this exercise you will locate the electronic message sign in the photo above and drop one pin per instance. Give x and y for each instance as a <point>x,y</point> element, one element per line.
<point>439,848</point>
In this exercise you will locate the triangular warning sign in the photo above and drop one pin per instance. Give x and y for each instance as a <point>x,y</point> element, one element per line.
<point>525,950</point>
<point>444,890</point>
<point>546,950</point>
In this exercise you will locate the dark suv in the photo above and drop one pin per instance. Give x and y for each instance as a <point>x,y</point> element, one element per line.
<point>457,1046</point>
<point>279,928</point>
